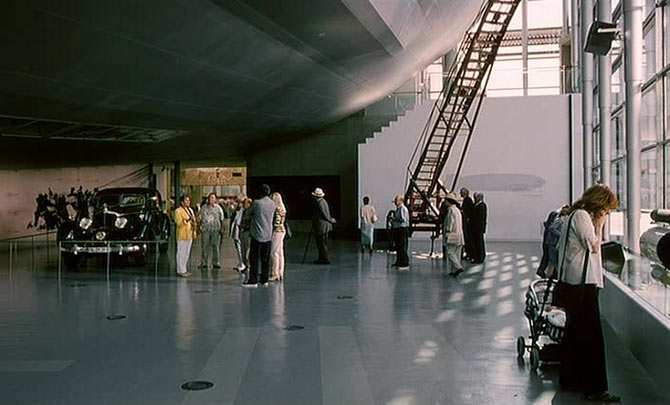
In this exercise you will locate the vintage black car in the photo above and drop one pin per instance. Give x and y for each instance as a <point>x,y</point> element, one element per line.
<point>122,221</point>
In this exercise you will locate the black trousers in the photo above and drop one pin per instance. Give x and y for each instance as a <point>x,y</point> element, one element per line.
<point>259,253</point>
<point>322,246</point>
<point>583,366</point>
<point>401,238</point>
<point>467,235</point>
<point>478,246</point>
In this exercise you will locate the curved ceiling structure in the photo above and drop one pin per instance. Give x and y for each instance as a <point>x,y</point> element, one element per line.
<point>214,77</point>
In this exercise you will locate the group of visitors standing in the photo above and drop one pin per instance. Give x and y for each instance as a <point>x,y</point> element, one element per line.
<point>209,223</point>
<point>258,229</point>
<point>463,227</point>
<point>398,221</point>
<point>267,230</point>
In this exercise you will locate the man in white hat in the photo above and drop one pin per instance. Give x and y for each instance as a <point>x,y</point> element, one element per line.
<point>322,224</point>
<point>452,235</point>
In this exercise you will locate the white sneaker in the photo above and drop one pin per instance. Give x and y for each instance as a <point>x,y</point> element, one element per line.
<point>403,268</point>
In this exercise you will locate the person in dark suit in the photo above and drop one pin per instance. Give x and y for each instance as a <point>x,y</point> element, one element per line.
<point>466,208</point>
<point>322,224</point>
<point>400,225</point>
<point>478,227</point>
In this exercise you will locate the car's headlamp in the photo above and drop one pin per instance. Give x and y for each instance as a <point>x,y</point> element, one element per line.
<point>121,222</point>
<point>85,223</point>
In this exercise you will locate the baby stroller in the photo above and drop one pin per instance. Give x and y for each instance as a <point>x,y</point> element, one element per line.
<point>541,323</point>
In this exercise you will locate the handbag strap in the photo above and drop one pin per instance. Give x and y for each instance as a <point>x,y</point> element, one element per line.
<point>565,247</point>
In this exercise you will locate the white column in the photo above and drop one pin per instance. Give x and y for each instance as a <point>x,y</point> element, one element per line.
<point>605,101</point>
<point>524,44</point>
<point>587,93</point>
<point>632,13</point>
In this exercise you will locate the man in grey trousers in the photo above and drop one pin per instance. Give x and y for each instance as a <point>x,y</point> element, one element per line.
<point>261,212</point>
<point>322,224</point>
<point>211,226</point>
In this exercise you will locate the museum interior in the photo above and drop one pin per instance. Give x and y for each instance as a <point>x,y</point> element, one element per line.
<point>469,202</point>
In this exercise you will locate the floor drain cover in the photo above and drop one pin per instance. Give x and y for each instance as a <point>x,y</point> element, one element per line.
<point>115,317</point>
<point>196,385</point>
<point>294,327</point>
<point>201,291</point>
<point>78,285</point>
<point>344,297</point>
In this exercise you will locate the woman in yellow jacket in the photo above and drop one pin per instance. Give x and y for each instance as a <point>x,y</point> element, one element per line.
<point>184,217</point>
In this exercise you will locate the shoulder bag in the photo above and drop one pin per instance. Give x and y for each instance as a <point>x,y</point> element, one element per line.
<point>567,295</point>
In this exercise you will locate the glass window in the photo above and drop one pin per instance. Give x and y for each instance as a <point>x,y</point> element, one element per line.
<point>617,43</point>
<point>649,6</point>
<point>666,33</point>
<point>649,133</point>
<point>506,78</point>
<point>596,175</point>
<point>434,74</point>
<point>616,88</point>
<point>596,147</point>
<point>544,14</point>
<point>619,182</point>
<point>596,108</point>
<point>618,139</point>
<point>544,71</point>
<point>666,197</point>
<point>649,52</point>
<point>131,200</point>
<point>650,180</point>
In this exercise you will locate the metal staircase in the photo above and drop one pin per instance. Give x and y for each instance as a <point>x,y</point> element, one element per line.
<point>446,136</point>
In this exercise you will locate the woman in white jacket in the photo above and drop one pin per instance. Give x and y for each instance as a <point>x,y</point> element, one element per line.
<point>278,232</point>
<point>583,366</point>
<point>452,235</point>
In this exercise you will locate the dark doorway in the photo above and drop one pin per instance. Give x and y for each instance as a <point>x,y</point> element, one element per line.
<point>297,192</point>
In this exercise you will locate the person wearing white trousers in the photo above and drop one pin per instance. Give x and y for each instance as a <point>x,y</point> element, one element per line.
<point>278,233</point>
<point>186,225</point>
<point>453,238</point>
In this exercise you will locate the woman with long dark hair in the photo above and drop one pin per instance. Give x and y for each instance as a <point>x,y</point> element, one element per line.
<point>583,366</point>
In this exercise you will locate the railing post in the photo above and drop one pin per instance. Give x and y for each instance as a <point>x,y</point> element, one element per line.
<point>32,253</point>
<point>60,258</point>
<point>48,258</point>
<point>156,257</point>
<point>108,259</point>
<point>10,255</point>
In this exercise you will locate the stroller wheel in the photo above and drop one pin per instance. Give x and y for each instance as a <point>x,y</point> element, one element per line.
<point>520,346</point>
<point>534,358</point>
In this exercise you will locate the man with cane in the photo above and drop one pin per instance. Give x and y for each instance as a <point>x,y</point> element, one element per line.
<point>322,224</point>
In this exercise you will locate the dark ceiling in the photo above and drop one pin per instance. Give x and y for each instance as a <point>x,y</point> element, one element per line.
<point>226,76</point>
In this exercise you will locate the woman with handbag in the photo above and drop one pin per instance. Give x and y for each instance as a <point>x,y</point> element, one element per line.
<point>453,238</point>
<point>580,278</point>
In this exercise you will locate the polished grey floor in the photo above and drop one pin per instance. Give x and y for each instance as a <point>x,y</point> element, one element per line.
<point>415,337</point>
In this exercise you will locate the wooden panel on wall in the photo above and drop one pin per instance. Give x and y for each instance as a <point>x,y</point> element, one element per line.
<point>214,176</point>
